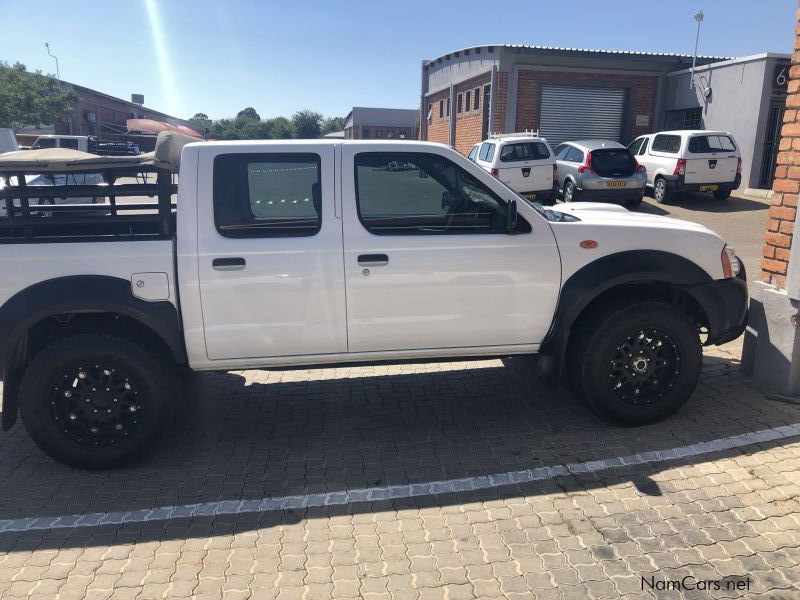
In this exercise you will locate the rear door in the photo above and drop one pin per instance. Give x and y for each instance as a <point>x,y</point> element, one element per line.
<point>269,247</point>
<point>711,158</point>
<point>526,166</point>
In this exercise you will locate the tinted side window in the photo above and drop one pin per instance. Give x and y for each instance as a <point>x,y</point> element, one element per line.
<point>524,151</point>
<point>431,196</point>
<point>490,152</point>
<point>45,143</point>
<point>574,155</point>
<point>267,195</point>
<point>635,145</point>
<point>667,143</point>
<point>561,151</point>
<point>484,151</point>
<point>473,153</point>
<point>711,143</point>
<point>68,143</point>
<point>643,149</point>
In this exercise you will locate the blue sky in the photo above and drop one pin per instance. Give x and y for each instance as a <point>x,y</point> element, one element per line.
<point>217,57</point>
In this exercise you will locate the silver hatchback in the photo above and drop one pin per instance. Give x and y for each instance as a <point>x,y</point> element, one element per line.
<point>599,170</point>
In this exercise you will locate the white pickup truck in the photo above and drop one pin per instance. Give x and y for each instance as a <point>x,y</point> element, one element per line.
<point>296,253</point>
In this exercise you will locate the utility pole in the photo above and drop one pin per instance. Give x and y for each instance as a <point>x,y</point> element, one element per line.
<point>698,16</point>
<point>58,73</point>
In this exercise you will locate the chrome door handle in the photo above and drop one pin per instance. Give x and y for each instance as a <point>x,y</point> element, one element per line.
<point>373,260</point>
<point>228,264</point>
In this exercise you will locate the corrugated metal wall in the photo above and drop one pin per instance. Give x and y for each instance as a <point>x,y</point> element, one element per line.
<point>573,113</point>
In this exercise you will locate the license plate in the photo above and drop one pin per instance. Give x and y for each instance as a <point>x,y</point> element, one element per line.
<point>615,184</point>
<point>709,188</point>
<point>529,195</point>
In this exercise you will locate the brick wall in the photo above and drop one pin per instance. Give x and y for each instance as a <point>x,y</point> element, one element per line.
<point>469,122</point>
<point>642,94</point>
<point>438,129</point>
<point>501,103</point>
<point>783,211</point>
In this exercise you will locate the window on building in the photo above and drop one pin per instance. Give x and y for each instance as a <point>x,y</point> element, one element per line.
<point>441,199</point>
<point>459,104</point>
<point>267,195</point>
<point>390,133</point>
<point>379,133</point>
<point>467,101</point>
<point>666,143</point>
<point>364,133</point>
<point>430,112</point>
<point>441,109</point>
<point>688,118</point>
<point>448,106</point>
<point>476,98</point>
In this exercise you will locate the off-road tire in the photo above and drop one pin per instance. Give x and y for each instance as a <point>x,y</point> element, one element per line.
<point>615,334</point>
<point>149,385</point>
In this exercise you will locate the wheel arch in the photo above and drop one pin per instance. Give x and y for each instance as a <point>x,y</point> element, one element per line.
<point>613,280</point>
<point>56,307</point>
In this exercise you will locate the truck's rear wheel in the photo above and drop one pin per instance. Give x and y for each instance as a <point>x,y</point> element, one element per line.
<point>641,363</point>
<point>95,401</point>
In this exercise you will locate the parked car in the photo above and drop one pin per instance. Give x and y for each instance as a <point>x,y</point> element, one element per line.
<point>289,254</point>
<point>600,170</point>
<point>8,140</point>
<point>86,143</point>
<point>50,179</point>
<point>689,161</point>
<point>525,163</point>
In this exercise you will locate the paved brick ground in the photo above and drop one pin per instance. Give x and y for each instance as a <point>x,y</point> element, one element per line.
<point>728,515</point>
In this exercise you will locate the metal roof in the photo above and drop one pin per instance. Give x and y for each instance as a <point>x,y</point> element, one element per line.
<point>577,51</point>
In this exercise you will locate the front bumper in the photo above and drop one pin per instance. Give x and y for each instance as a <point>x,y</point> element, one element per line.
<point>725,303</point>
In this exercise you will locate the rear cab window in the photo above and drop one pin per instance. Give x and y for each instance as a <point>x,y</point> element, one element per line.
<point>520,151</point>
<point>267,195</point>
<point>667,143</point>
<point>702,144</point>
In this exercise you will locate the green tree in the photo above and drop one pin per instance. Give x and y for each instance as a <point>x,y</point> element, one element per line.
<point>307,124</point>
<point>332,124</point>
<point>281,128</point>
<point>248,114</point>
<point>202,120</point>
<point>32,98</point>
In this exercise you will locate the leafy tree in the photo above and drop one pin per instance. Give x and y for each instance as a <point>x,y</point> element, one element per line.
<point>332,124</point>
<point>248,114</point>
<point>32,98</point>
<point>281,128</point>
<point>202,120</point>
<point>307,124</point>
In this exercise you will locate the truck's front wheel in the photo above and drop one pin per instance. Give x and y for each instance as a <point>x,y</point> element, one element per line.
<point>641,363</point>
<point>95,401</point>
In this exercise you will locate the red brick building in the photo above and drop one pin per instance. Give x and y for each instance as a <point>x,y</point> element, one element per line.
<point>561,92</point>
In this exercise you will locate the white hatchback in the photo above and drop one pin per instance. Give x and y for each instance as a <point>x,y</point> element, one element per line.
<point>523,162</point>
<point>689,161</point>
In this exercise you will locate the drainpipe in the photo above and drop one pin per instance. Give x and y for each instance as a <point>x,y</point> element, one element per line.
<point>423,118</point>
<point>492,99</point>
<point>451,136</point>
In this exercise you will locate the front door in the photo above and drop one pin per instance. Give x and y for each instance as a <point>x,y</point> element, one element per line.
<point>429,263</point>
<point>270,253</point>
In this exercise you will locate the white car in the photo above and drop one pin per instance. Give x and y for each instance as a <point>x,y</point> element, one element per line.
<point>523,162</point>
<point>689,161</point>
<point>314,252</point>
<point>49,179</point>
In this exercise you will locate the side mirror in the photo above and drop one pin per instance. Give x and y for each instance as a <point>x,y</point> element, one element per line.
<point>511,217</point>
<point>448,201</point>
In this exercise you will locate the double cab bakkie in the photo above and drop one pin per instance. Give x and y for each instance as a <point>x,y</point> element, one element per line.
<point>684,161</point>
<point>281,254</point>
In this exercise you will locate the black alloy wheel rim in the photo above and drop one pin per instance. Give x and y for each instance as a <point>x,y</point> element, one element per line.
<point>95,405</point>
<point>644,366</point>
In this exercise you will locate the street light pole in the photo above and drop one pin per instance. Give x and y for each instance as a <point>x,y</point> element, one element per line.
<point>58,73</point>
<point>698,16</point>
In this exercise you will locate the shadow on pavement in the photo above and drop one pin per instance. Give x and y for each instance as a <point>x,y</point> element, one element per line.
<point>268,434</point>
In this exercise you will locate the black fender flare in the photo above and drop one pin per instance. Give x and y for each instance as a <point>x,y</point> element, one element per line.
<point>599,276</point>
<point>78,294</point>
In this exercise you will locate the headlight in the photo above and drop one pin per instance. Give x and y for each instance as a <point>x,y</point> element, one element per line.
<point>730,263</point>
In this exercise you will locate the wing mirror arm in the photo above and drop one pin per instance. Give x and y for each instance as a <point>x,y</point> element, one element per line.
<point>511,217</point>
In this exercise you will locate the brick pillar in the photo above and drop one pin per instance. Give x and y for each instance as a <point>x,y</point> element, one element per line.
<point>771,352</point>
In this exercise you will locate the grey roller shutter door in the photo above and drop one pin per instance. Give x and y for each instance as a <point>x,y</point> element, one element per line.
<point>574,113</point>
